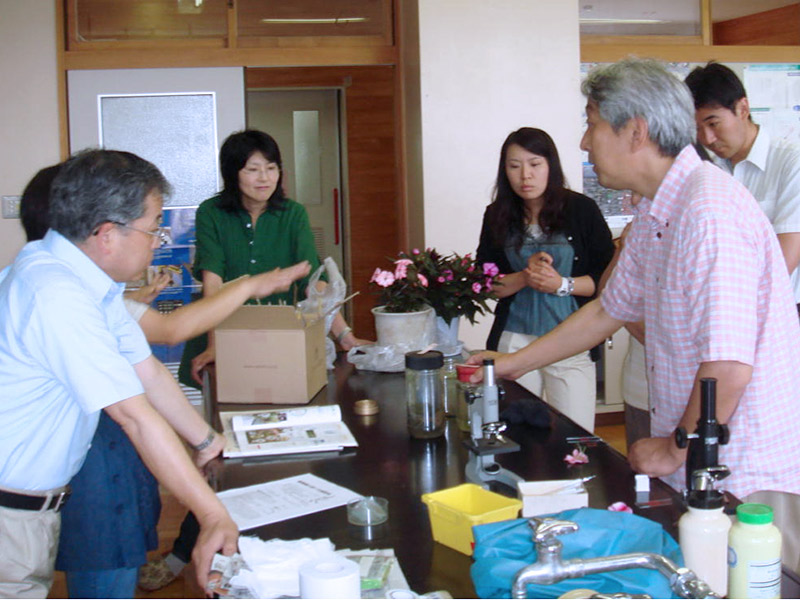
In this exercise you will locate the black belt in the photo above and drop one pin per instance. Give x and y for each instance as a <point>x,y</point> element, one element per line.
<point>26,502</point>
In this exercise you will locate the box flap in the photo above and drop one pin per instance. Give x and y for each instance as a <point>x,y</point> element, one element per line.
<point>264,317</point>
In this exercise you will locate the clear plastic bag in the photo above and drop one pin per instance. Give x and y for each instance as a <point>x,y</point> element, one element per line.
<point>324,303</point>
<point>372,357</point>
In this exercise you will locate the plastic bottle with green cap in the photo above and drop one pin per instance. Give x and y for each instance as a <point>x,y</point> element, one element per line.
<point>754,554</point>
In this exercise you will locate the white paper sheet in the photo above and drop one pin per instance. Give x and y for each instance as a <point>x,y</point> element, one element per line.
<point>275,501</point>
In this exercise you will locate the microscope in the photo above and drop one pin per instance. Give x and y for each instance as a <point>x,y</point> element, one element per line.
<point>486,434</point>
<point>702,461</point>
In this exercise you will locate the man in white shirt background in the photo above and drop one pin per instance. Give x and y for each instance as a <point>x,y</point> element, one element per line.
<point>769,167</point>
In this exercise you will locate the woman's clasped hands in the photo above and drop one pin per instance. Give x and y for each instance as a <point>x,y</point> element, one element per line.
<point>540,274</point>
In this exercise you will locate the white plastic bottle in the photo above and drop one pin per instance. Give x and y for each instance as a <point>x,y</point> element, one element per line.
<point>754,554</point>
<point>703,532</point>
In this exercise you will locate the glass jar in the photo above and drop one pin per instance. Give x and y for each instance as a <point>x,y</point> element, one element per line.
<point>465,388</point>
<point>424,394</point>
<point>754,554</point>
<point>449,385</point>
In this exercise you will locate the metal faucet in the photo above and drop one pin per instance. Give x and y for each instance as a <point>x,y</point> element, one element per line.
<point>550,568</point>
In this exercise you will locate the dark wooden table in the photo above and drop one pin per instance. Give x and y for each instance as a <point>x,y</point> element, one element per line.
<point>389,463</point>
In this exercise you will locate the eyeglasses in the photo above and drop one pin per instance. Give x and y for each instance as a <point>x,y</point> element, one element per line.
<point>162,233</point>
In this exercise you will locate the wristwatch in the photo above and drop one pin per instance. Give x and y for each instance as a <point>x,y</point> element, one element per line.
<point>567,285</point>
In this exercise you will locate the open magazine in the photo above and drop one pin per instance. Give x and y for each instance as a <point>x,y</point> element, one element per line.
<point>285,431</point>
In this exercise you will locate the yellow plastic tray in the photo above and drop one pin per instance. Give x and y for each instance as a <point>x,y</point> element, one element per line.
<point>454,511</point>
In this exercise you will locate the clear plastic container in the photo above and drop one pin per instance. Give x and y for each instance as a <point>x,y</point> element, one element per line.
<point>450,385</point>
<point>754,554</point>
<point>424,394</point>
<point>465,388</point>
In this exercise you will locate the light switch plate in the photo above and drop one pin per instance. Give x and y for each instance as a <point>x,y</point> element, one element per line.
<point>11,207</point>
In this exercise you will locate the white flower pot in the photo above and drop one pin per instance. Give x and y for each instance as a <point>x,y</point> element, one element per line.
<point>414,330</point>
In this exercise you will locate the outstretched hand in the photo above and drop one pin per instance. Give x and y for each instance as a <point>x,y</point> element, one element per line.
<point>278,280</point>
<point>503,365</point>
<point>147,293</point>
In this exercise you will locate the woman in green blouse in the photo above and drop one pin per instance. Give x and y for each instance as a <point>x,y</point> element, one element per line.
<point>251,227</point>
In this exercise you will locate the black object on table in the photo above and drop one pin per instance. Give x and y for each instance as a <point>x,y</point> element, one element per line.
<point>391,464</point>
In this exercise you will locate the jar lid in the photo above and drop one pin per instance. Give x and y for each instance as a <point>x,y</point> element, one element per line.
<point>418,361</point>
<point>465,372</point>
<point>754,514</point>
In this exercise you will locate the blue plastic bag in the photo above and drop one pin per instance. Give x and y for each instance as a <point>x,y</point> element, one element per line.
<point>502,549</point>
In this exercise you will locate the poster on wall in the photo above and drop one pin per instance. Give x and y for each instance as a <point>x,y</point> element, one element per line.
<point>773,91</point>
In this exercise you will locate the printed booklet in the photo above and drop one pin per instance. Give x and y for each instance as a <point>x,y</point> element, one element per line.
<point>285,431</point>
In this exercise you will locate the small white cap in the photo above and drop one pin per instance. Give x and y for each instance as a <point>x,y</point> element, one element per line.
<point>642,483</point>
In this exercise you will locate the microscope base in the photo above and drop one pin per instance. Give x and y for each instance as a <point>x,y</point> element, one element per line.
<point>482,470</point>
<point>490,447</point>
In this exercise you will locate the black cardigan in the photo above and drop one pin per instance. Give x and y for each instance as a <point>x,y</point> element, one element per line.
<point>587,232</point>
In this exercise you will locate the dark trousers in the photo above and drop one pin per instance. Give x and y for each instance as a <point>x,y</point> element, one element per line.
<point>187,538</point>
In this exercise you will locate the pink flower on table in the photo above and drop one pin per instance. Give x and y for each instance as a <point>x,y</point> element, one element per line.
<point>490,269</point>
<point>422,279</point>
<point>578,457</point>
<point>620,507</point>
<point>384,278</point>
<point>476,287</point>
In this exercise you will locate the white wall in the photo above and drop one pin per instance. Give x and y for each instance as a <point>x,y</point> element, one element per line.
<point>486,69</point>
<point>29,115</point>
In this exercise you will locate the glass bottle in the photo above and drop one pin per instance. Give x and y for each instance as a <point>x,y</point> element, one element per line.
<point>449,385</point>
<point>754,554</point>
<point>464,372</point>
<point>424,394</point>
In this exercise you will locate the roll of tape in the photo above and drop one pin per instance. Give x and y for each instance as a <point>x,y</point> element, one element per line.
<point>334,577</point>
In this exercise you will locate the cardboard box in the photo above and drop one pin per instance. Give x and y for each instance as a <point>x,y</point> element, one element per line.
<point>268,355</point>
<point>547,497</point>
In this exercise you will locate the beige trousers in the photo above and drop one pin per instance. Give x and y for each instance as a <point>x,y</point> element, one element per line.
<point>569,385</point>
<point>28,545</point>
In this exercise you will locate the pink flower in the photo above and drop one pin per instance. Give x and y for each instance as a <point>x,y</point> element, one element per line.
<point>620,507</point>
<point>577,457</point>
<point>375,275</point>
<point>488,283</point>
<point>422,279</point>
<point>490,269</point>
<point>401,271</point>
<point>471,269</point>
<point>440,279</point>
<point>448,274</point>
<point>476,287</point>
<point>415,251</point>
<point>384,278</point>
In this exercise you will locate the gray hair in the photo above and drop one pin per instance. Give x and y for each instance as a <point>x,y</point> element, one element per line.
<point>644,88</point>
<point>101,186</point>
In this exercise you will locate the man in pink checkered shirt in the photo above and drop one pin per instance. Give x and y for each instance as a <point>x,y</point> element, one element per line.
<point>703,268</point>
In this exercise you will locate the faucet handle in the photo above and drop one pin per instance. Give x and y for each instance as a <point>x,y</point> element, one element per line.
<point>548,529</point>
